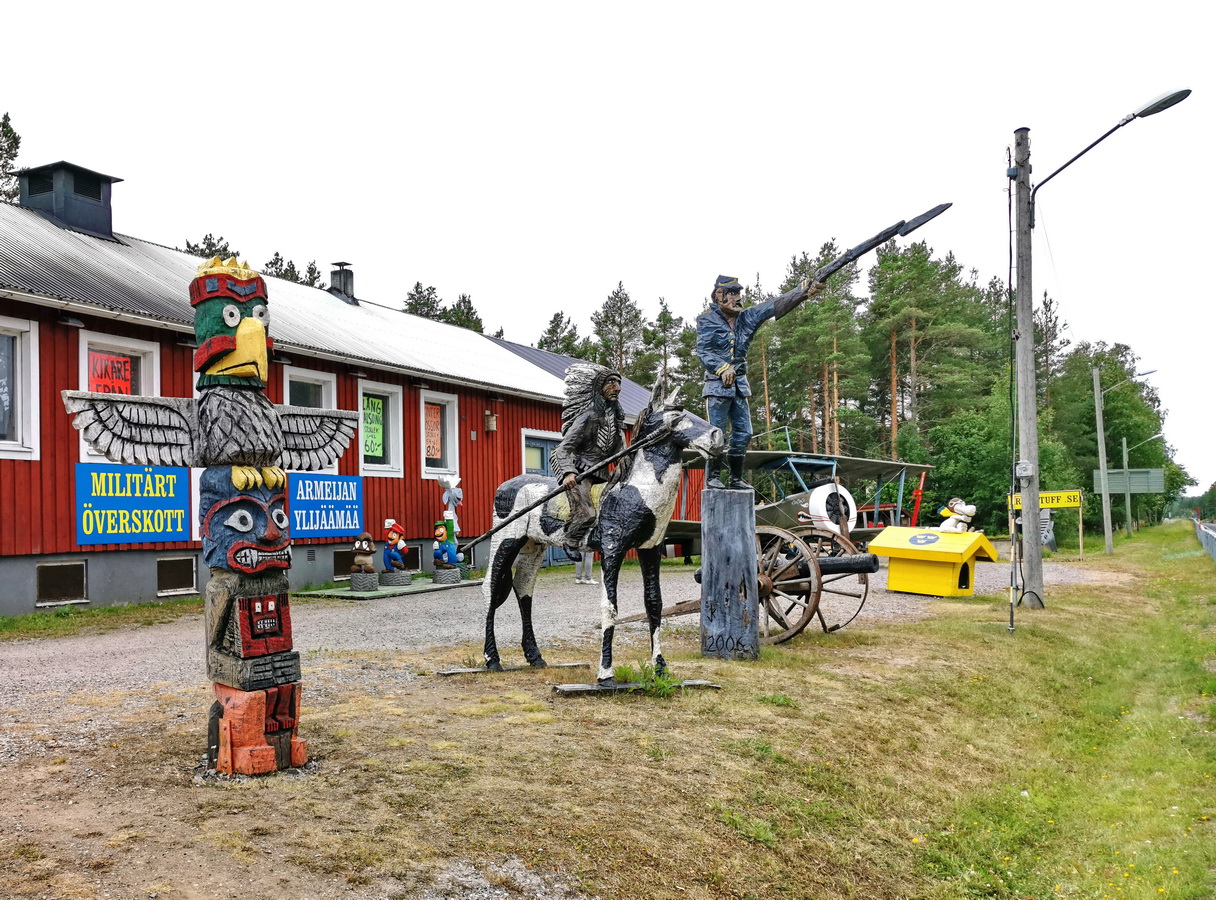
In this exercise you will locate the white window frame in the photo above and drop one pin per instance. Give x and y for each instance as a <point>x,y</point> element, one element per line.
<point>394,428</point>
<point>149,369</point>
<point>179,592</point>
<point>524,434</point>
<point>28,444</point>
<point>451,433</point>
<point>329,398</point>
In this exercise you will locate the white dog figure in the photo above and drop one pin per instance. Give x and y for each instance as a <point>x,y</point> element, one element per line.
<point>959,519</point>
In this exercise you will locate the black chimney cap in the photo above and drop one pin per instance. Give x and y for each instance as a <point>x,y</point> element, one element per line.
<point>64,164</point>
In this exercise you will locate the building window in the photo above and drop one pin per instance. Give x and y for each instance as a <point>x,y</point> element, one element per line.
<point>380,429</point>
<point>440,451</point>
<point>315,390</point>
<point>60,583</point>
<point>344,560</point>
<point>19,420</point>
<point>110,364</point>
<point>538,446</point>
<point>176,575</point>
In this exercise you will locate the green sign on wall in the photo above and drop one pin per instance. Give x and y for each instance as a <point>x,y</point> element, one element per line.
<point>373,426</point>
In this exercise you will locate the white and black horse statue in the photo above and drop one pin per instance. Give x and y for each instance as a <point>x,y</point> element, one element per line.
<point>634,509</point>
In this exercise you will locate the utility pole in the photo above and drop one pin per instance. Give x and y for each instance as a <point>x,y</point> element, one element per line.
<point>1127,489</point>
<point>1028,413</point>
<point>1103,476</point>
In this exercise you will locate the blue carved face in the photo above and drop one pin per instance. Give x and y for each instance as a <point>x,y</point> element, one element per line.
<point>246,531</point>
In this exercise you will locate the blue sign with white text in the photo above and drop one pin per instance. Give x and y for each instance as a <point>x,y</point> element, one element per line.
<point>131,504</point>
<point>325,505</point>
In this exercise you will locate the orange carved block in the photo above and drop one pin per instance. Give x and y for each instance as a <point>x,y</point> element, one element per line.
<point>257,730</point>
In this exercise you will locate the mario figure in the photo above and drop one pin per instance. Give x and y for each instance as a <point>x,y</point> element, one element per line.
<point>394,547</point>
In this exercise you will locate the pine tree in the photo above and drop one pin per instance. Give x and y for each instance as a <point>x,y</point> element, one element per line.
<point>561,336</point>
<point>10,143</point>
<point>661,338</point>
<point>424,301</point>
<point>211,246</point>
<point>1051,344</point>
<point>281,268</point>
<point>689,371</point>
<point>312,276</point>
<point>463,314</point>
<point>618,326</point>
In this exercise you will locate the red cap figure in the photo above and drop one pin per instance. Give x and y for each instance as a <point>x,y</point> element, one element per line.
<point>394,546</point>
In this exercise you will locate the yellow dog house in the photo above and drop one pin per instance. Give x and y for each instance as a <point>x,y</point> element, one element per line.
<point>939,563</point>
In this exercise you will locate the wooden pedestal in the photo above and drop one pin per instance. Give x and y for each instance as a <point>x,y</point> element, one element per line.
<point>729,599</point>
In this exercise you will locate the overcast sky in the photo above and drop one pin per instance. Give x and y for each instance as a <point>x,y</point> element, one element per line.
<point>533,155</point>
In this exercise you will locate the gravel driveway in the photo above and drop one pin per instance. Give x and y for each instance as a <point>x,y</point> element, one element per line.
<point>169,657</point>
<point>64,702</point>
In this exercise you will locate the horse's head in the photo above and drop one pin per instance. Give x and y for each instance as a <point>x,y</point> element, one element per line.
<point>665,421</point>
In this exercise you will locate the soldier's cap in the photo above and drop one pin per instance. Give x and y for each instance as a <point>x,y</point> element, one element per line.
<point>728,283</point>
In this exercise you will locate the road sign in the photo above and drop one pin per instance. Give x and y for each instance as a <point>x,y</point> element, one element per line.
<point>1143,481</point>
<point>1053,500</point>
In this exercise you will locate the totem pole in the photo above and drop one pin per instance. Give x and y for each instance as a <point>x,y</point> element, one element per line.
<point>242,440</point>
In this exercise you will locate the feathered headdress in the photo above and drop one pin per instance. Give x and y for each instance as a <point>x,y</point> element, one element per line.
<point>584,382</point>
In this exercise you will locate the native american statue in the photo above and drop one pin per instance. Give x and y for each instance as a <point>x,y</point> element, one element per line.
<point>593,427</point>
<point>243,441</point>
<point>635,506</point>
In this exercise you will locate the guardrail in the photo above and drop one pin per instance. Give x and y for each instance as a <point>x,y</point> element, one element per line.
<point>1207,537</point>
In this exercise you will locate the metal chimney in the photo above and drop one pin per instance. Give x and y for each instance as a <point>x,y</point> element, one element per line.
<point>342,282</point>
<point>71,196</point>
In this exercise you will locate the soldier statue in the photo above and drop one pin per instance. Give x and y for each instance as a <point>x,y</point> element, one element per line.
<point>723,335</point>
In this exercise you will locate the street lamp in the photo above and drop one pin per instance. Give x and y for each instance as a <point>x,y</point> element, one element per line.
<point>1127,481</point>
<point>1027,468</point>
<point>1103,478</point>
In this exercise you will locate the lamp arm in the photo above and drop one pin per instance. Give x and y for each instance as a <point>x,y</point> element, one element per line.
<point>1073,160</point>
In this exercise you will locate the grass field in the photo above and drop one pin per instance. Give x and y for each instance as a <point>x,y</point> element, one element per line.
<point>942,759</point>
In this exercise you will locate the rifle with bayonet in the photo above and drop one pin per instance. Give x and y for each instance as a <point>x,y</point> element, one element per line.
<point>900,228</point>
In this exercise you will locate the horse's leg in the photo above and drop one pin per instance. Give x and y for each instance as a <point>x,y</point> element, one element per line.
<point>651,559</point>
<point>496,588</point>
<point>610,570</point>
<point>525,580</point>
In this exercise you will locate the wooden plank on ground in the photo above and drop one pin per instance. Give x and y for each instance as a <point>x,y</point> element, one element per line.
<point>624,687</point>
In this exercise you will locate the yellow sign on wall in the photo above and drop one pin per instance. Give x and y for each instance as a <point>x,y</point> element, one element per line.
<point>1053,500</point>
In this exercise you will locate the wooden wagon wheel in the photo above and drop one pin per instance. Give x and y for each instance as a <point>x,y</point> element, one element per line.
<point>841,595</point>
<point>787,582</point>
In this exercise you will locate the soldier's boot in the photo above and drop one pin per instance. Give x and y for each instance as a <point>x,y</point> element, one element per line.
<point>736,474</point>
<point>713,473</point>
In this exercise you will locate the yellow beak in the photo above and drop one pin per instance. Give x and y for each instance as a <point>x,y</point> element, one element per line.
<point>248,360</point>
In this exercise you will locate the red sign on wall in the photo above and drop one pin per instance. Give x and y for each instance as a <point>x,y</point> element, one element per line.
<point>109,374</point>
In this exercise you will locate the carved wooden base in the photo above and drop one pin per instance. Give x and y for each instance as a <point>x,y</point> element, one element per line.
<point>446,576</point>
<point>730,603</point>
<point>252,733</point>
<point>364,581</point>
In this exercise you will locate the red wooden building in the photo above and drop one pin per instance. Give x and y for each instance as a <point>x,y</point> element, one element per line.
<point>82,308</point>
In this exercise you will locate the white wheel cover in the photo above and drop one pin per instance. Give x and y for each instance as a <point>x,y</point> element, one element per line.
<point>817,507</point>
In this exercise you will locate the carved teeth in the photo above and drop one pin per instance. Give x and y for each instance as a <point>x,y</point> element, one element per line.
<point>252,558</point>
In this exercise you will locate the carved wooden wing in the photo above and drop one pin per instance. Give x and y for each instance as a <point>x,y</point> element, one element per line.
<point>314,438</point>
<point>138,431</point>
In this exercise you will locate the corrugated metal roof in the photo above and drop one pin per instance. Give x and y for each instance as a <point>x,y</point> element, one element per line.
<point>144,279</point>
<point>634,397</point>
